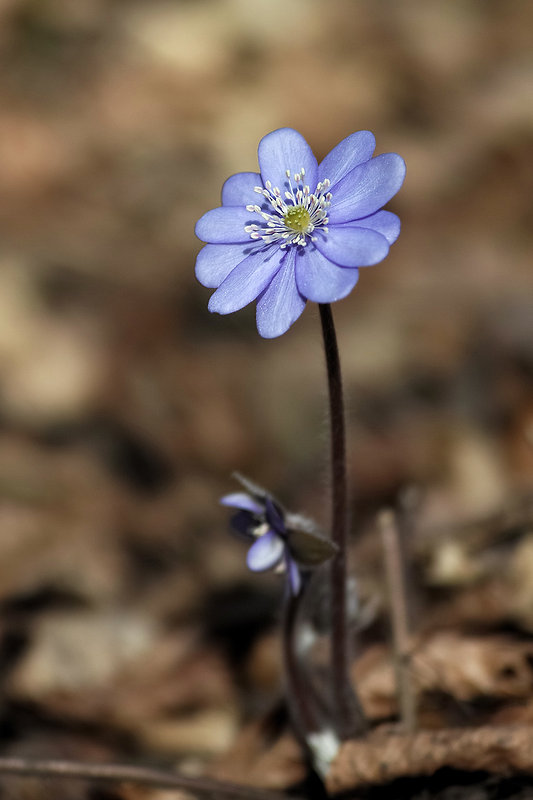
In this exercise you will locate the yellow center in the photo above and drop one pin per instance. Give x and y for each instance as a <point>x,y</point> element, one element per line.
<point>297,218</point>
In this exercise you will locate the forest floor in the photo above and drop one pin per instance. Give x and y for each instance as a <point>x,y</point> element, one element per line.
<point>130,630</point>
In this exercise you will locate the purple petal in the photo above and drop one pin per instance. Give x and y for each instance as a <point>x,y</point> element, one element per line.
<point>243,501</point>
<point>384,222</point>
<point>224,225</point>
<point>295,579</point>
<point>286,149</point>
<point>366,188</point>
<point>265,552</point>
<point>281,304</point>
<point>274,516</point>
<point>350,246</point>
<point>320,280</point>
<point>215,261</point>
<point>352,151</point>
<point>239,189</point>
<point>246,281</point>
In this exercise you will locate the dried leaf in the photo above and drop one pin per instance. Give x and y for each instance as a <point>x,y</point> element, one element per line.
<point>465,667</point>
<point>389,754</point>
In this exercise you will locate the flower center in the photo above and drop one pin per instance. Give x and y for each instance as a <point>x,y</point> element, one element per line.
<point>291,219</point>
<point>297,218</point>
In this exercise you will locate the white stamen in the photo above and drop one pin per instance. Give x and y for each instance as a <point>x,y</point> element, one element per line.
<point>260,530</point>
<point>295,228</point>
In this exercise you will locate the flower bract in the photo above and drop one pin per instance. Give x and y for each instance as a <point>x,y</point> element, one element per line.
<point>298,230</point>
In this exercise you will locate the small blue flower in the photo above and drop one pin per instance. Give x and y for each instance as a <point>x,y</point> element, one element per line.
<point>298,230</point>
<point>280,540</point>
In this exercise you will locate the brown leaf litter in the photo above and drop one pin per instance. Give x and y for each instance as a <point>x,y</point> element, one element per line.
<point>464,667</point>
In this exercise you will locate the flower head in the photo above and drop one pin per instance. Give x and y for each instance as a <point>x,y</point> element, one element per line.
<point>280,540</point>
<point>298,230</point>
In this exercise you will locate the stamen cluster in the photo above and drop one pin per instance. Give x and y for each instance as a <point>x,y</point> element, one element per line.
<point>293,217</point>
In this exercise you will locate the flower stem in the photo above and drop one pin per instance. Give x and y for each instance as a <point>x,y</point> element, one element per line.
<point>300,696</point>
<point>348,713</point>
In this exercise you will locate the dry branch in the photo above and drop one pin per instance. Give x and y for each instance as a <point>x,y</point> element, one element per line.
<point>387,754</point>
<point>126,773</point>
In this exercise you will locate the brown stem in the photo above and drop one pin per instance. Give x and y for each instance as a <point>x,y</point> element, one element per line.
<point>126,773</point>
<point>301,700</point>
<point>395,569</point>
<point>348,712</point>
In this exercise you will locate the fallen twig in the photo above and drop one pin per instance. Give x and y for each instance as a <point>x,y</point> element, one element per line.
<point>395,569</point>
<point>126,773</point>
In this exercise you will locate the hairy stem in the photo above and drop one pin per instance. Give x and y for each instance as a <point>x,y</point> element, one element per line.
<point>349,716</point>
<point>305,707</point>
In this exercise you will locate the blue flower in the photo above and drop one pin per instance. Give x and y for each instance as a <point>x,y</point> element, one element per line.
<point>286,542</point>
<point>298,230</point>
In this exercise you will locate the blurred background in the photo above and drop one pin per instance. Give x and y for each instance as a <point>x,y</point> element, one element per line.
<point>125,405</point>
